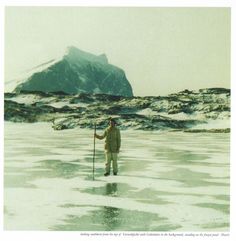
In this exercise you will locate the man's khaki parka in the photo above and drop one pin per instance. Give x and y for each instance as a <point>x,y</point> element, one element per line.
<point>113,140</point>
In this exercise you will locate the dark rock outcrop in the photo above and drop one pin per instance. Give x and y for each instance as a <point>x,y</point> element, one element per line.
<point>179,111</point>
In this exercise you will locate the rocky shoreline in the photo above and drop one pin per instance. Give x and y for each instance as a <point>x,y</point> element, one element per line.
<point>182,111</point>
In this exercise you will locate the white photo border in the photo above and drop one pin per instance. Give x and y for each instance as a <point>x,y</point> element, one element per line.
<point>58,236</point>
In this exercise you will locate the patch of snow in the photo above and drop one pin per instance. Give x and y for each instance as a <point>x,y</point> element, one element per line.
<point>31,99</point>
<point>147,112</point>
<point>25,99</point>
<point>83,79</point>
<point>184,116</point>
<point>97,91</point>
<point>214,124</point>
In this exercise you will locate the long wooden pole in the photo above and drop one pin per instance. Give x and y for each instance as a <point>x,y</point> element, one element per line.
<point>94,149</point>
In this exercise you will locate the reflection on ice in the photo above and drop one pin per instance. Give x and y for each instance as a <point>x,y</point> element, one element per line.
<point>167,181</point>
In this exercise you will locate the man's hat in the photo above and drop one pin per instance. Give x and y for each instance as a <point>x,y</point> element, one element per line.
<point>112,119</point>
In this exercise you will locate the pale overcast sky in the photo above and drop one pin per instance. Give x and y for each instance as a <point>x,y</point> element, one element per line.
<point>161,50</point>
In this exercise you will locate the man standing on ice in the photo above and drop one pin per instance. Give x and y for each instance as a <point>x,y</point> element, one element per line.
<point>112,146</point>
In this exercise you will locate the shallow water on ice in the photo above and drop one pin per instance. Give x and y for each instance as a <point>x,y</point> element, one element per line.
<point>167,181</point>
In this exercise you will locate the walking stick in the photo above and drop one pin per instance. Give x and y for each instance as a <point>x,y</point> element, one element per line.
<point>94,149</point>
